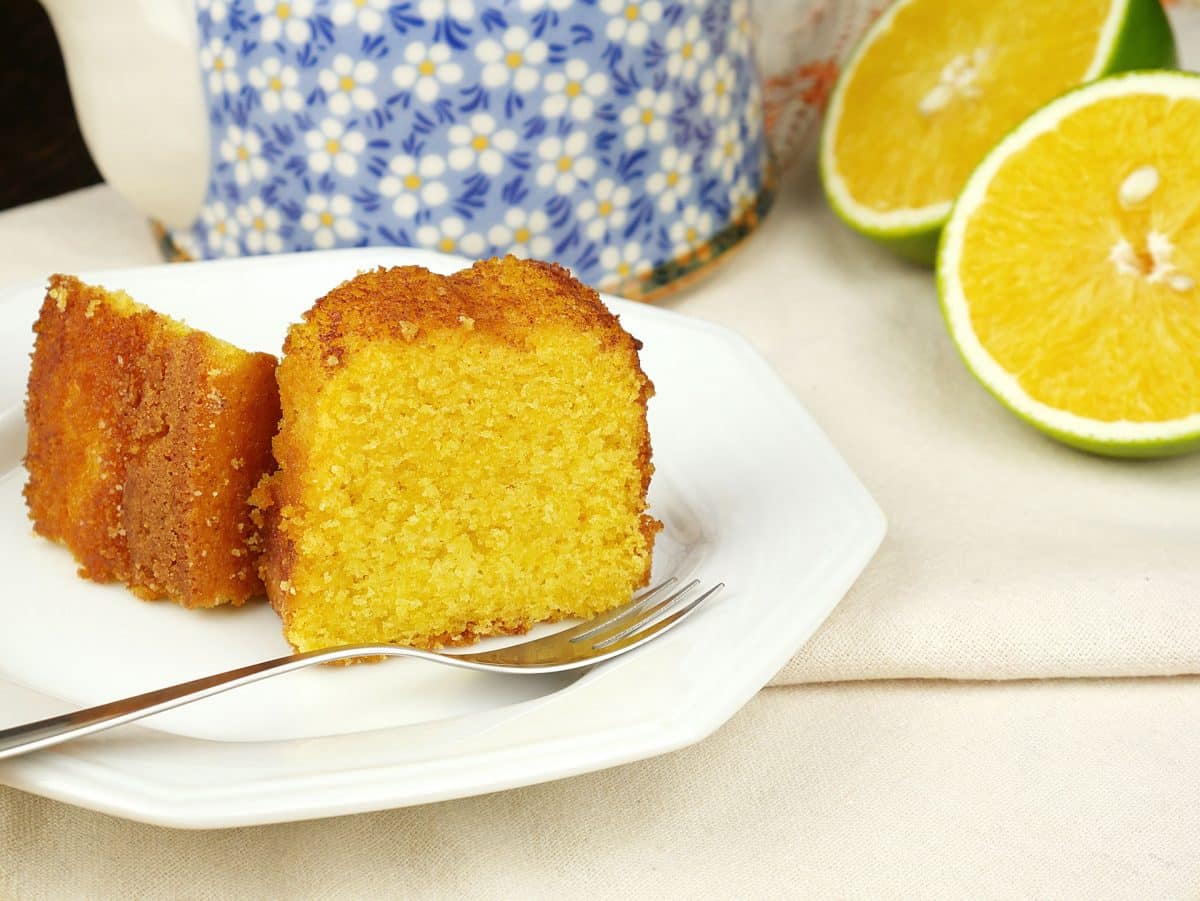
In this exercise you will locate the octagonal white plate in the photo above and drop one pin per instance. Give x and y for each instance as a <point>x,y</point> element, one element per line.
<point>751,493</point>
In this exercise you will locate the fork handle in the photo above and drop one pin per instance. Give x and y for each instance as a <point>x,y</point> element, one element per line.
<point>28,737</point>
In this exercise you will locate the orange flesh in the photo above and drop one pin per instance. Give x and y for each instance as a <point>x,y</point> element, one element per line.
<point>1077,333</point>
<point>891,155</point>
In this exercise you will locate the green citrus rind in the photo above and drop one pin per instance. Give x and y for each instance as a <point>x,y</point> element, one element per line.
<point>1142,40</point>
<point>1110,439</point>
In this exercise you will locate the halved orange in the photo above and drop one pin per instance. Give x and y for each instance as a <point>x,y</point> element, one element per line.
<point>934,84</point>
<point>1069,271</point>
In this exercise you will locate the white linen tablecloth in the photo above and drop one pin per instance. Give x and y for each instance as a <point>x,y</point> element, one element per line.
<point>1008,558</point>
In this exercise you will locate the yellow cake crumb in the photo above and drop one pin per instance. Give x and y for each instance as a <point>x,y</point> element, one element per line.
<point>478,461</point>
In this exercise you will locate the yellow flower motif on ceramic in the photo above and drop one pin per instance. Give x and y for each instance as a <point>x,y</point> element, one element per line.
<point>331,146</point>
<point>717,85</point>
<point>451,236</point>
<point>328,219</point>
<point>673,179</point>
<point>523,234</point>
<point>622,264</point>
<point>260,226</point>
<point>222,229</point>
<point>220,61</point>
<point>513,60</point>
<point>741,197</point>
<point>690,231</point>
<point>726,150</point>
<point>630,20</point>
<point>573,90</point>
<point>741,24</point>
<point>366,14</point>
<point>285,19</point>
<point>346,84</point>
<point>242,149</point>
<point>646,118</point>
<point>276,85</point>
<point>414,184</point>
<point>425,69</point>
<point>564,162</point>
<point>753,120</point>
<point>480,144</point>
<point>687,49</point>
<point>606,210</point>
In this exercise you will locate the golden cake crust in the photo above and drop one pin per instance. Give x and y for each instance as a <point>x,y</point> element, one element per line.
<point>501,300</point>
<point>145,439</point>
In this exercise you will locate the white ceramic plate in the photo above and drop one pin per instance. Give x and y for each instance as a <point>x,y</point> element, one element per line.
<point>750,491</point>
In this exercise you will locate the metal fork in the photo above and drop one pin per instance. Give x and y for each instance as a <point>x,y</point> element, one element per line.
<point>602,638</point>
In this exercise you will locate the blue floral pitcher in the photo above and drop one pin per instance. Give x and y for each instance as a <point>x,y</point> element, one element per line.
<point>621,139</point>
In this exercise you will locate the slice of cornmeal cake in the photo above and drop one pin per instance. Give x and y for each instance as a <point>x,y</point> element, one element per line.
<point>145,440</point>
<point>459,456</point>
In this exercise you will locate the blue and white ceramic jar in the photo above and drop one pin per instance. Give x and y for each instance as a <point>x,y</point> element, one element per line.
<point>621,139</point>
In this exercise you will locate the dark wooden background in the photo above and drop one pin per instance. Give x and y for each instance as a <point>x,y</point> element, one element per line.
<point>42,153</point>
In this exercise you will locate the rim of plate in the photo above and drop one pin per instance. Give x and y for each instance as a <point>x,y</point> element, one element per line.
<point>895,223</point>
<point>1175,85</point>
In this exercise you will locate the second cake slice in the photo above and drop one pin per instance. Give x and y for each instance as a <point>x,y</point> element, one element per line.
<point>145,439</point>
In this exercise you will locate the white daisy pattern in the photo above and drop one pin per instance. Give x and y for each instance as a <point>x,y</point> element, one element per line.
<point>687,48</point>
<point>514,59</point>
<point>573,90</point>
<point>606,211</point>
<point>726,150</point>
<point>434,10</point>
<point>216,9</point>
<point>242,149</point>
<point>427,68</point>
<point>260,225</point>
<point>621,138</point>
<point>630,21</point>
<point>741,196</point>
<point>332,147</point>
<point>276,85</point>
<point>646,118</point>
<point>741,28</point>
<point>565,163</point>
<point>673,180</point>
<point>285,20</point>
<point>717,84</point>
<point>690,230</point>
<point>222,228</point>
<point>451,236</point>
<point>413,184</point>
<point>754,104</point>
<point>480,144</point>
<point>523,234</point>
<point>623,263</point>
<point>366,15</point>
<point>347,84</point>
<point>219,60</point>
<point>329,220</point>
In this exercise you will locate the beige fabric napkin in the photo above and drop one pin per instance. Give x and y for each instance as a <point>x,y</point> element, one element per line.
<point>877,790</point>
